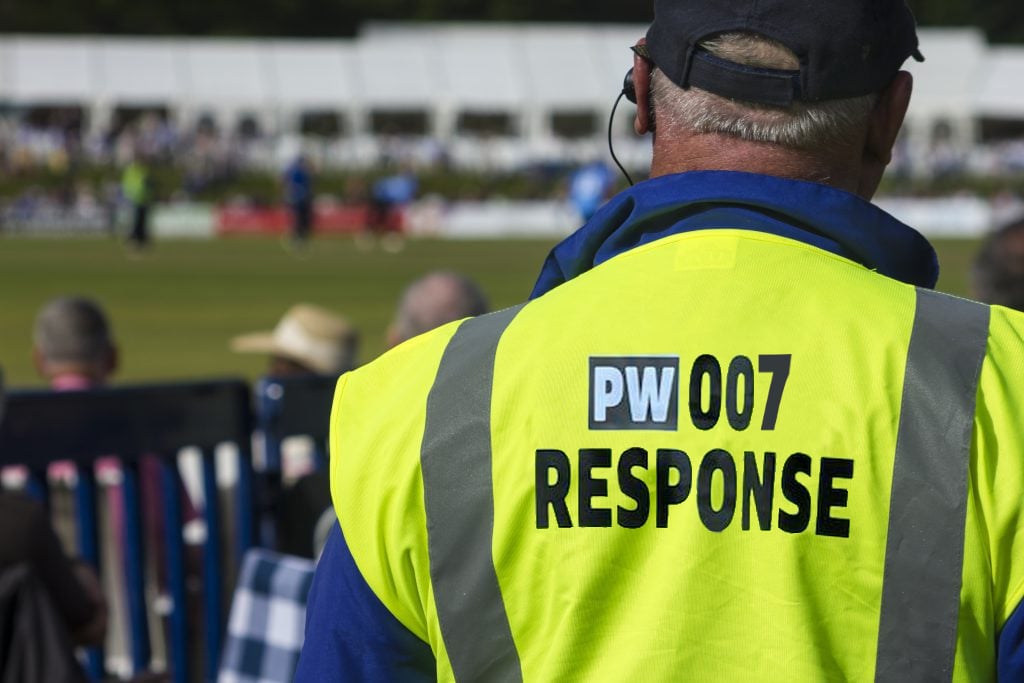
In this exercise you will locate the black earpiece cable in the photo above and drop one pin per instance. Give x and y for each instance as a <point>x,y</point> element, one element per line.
<point>611,147</point>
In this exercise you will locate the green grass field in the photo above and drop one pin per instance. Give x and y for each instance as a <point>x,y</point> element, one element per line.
<point>174,309</point>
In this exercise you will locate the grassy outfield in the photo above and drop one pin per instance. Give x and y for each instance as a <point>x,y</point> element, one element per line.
<point>174,309</point>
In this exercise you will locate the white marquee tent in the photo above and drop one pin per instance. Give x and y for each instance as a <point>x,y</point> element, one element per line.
<point>1001,86</point>
<point>528,74</point>
<point>138,73</point>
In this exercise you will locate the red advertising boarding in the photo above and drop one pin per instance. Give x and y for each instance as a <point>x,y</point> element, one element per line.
<point>277,220</point>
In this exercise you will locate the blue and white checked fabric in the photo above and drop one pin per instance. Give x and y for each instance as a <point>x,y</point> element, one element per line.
<point>268,617</point>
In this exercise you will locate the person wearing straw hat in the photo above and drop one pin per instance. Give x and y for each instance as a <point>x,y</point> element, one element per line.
<point>307,340</point>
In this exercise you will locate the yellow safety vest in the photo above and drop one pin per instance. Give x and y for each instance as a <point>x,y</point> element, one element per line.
<point>721,456</point>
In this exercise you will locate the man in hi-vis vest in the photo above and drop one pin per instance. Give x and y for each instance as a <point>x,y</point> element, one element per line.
<point>733,436</point>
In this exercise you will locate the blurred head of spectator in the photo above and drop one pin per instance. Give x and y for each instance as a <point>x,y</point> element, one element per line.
<point>307,340</point>
<point>433,300</point>
<point>998,273</point>
<point>73,345</point>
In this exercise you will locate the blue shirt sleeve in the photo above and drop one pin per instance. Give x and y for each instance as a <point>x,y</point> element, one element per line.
<point>1010,652</point>
<point>350,634</point>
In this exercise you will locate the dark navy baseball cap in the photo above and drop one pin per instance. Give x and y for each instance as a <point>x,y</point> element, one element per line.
<point>847,48</point>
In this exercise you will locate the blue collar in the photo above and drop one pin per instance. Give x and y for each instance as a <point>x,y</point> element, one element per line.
<point>827,218</point>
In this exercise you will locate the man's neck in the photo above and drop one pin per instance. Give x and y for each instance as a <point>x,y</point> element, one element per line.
<point>73,378</point>
<point>723,153</point>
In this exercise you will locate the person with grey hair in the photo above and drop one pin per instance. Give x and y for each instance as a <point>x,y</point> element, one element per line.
<point>437,298</point>
<point>998,273</point>
<point>74,347</point>
<point>734,435</point>
<point>50,602</point>
<point>431,301</point>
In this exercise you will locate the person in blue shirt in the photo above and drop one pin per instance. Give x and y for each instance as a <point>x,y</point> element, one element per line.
<point>388,196</point>
<point>589,188</point>
<point>298,194</point>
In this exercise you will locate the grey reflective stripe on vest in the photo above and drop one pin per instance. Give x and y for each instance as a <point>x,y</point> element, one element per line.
<point>928,508</point>
<point>459,499</point>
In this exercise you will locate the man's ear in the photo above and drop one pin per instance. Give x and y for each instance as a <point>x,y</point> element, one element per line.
<point>887,119</point>
<point>644,122</point>
<point>883,128</point>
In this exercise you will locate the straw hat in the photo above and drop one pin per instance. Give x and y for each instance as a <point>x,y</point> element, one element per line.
<point>313,336</point>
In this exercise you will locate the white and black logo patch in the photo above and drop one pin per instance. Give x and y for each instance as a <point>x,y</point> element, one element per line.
<point>634,392</point>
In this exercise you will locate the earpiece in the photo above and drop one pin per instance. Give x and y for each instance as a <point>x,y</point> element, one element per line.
<point>629,87</point>
<point>629,92</point>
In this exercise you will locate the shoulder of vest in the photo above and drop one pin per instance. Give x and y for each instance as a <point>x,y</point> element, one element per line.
<point>416,350</point>
<point>410,359</point>
<point>1006,336</point>
<point>1010,316</point>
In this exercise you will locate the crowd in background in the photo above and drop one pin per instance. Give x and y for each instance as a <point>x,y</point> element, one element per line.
<point>61,143</point>
<point>205,157</point>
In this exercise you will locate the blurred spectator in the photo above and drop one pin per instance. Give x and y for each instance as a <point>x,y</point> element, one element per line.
<point>435,299</point>
<point>998,273</point>
<point>73,345</point>
<point>74,349</point>
<point>589,187</point>
<point>298,193</point>
<point>388,196</point>
<point>48,603</point>
<point>307,340</point>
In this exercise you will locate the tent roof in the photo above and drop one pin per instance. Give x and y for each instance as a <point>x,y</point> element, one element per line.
<point>49,71</point>
<point>481,69</point>
<point>428,67</point>
<point>307,74</point>
<point>504,66</point>
<point>946,83</point>
<point>562,66</point>
<point>398,73</point>
<point>137,72</point>
<point>1001,95</point>
<point>226,72</point>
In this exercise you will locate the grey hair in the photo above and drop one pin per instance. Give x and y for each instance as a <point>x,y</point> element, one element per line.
<point>997,276</point>
<point>802,125</point>
<point>435,299</point>
<point>72,330</point>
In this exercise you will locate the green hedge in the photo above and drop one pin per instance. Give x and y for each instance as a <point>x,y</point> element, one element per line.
<point>265,188</point>
<point>262,187</point>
